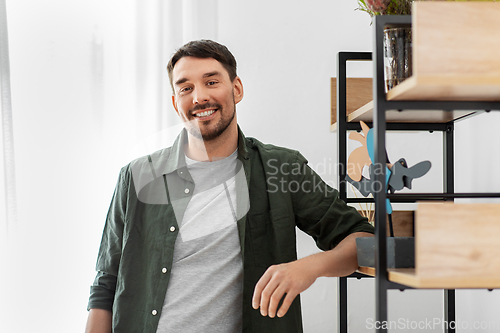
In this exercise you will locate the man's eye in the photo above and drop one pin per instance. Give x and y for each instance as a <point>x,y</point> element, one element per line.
<point>211,83</point>
<point>184,89</point>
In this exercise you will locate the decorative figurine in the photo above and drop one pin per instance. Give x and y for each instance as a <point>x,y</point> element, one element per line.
<point>398,175</point>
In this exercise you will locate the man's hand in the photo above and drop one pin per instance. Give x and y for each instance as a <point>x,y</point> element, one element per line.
<point>292,278</point>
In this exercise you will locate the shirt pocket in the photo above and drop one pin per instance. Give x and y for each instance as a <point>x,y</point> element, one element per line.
<point>273,237</point>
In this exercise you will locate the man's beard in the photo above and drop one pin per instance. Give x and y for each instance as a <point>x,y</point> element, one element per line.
<point>220,127</point>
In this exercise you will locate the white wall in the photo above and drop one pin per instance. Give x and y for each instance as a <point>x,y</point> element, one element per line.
<point>83,97</point>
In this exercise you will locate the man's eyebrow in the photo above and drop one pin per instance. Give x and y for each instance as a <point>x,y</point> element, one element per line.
<point>209,74</point>
<point>180,81</point>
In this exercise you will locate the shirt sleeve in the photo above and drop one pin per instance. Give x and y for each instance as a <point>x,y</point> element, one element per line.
<point>319,211</point>
<point>102,291</point>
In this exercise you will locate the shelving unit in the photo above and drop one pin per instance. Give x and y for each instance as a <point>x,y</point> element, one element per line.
<point>414,105</point>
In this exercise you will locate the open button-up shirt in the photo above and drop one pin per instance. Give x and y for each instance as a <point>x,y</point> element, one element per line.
<point>136,252</point>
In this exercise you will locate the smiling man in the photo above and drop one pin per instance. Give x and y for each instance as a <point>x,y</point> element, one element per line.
<point>200,236</point>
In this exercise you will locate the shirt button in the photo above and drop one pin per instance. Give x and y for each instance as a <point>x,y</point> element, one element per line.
<point>186,191</point>
<point>154,312</point>
<point>172,228</point>
<point>163,270</point>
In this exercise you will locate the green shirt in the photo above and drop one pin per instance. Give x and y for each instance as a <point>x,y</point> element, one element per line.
<point>136,252</point>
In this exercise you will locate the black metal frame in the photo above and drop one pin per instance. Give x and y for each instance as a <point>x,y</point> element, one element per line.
<point>380,126</point>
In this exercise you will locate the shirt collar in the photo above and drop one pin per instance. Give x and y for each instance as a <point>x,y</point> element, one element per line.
<point>242,145</point>
<point>177,160</point>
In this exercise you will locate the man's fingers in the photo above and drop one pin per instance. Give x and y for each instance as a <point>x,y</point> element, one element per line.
<point>287,302</point>
<point>279,282</point>
<point>274,300</point>
<point>266,295</point>
<point>259,287</point>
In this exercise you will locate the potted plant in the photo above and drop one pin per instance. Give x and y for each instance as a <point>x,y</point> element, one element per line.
<point>385,7</point>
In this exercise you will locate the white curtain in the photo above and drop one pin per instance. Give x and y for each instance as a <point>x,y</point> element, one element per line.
<point>8,197</point>
<point>89,92</point>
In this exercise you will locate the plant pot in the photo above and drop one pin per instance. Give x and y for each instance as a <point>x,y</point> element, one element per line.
<point>400,252</point>
<point>397,56</point>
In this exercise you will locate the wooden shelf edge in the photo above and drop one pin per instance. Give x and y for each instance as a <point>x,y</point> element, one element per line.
<point>365,113</point>
<point>370,271</point>
<point>408,277</point>
<point>401,89</point>
<point>365,109</point>
<point>447,88</point>
<point>411,88</point>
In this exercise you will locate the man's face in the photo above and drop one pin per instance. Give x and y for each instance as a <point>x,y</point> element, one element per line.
<point>204,96</point>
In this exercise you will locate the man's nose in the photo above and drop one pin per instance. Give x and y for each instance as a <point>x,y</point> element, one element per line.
<point>200,96</point>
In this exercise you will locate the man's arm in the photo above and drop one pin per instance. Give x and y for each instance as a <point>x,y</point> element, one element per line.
<point>294,277</point>
<point>99,321</point>
<point>102,291</point>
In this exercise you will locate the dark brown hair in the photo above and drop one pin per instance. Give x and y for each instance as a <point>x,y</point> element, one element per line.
<point>204,48</point>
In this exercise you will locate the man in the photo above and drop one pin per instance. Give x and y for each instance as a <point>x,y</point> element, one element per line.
<point>200,237</point>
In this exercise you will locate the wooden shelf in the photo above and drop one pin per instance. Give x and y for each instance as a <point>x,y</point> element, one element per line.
<point>456,247</point>
<point>358,93</point>
<point>447,88</point>
<point>408,277</point>
<point>365,113</point>
<point>460,63</point>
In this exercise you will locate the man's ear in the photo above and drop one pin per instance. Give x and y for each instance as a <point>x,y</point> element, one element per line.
<point>237,89</point>
<point>174,103</point>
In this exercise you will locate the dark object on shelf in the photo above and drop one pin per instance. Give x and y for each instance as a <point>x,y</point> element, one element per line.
<point>402,176</point>
<point>400,252</point>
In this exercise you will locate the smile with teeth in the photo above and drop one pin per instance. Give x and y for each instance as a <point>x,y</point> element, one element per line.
<point>205,113</point>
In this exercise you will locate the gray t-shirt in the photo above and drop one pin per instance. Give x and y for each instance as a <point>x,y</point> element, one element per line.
<point>205,288</point>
